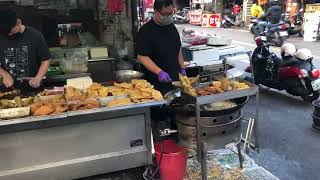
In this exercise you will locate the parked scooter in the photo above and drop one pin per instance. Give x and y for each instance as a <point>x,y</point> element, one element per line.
<point>229,21</point>
<point>253,24</point>
<point>276,34</point>
<point>299,78</point>
<point>181,16</point>
<point>296,27</point>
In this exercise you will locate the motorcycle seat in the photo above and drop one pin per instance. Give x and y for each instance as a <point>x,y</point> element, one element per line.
<point>274,25</point>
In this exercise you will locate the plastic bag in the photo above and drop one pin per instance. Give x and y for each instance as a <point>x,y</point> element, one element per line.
<point>76,61</point>
<point>115,6</point>
<point>194,37</point>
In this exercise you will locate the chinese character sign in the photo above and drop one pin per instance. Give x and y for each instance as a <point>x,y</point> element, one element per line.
<point>211,20</point>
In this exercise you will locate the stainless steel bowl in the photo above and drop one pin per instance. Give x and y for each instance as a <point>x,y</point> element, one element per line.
<point>127,75</point>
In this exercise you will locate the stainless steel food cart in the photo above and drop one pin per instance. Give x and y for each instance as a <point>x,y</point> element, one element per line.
<point>76,144</point>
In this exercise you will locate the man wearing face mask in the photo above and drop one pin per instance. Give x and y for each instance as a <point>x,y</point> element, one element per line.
<point>159,50</point>
<point>24,54</point>
<point>159,47</point>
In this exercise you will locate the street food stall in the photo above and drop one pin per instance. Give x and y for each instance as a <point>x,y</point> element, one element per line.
<point>203,18</point>
<point>76,133</point>
<point>94,118</point>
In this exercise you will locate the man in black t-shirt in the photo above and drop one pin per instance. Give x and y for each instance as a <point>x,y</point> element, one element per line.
<point>159,47</point>
<point>24,54</point>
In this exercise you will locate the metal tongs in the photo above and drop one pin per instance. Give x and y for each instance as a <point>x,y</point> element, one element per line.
<point>171,95</point>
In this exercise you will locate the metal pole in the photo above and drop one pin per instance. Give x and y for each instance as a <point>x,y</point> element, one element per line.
<point>200,144</point>
<point>215,6</point>
<point>255,128</point>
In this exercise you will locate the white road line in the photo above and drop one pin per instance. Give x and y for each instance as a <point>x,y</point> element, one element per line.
<point>237,30</point>
<point>277,49</point>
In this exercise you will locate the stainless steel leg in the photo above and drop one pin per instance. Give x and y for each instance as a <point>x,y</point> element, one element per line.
<point>198,132</point>
<point>204,173</point>
<point>240,155</point>
<point>200,146</point>
<point>256,124</point>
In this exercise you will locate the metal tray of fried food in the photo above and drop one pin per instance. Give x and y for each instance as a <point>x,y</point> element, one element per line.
<point>232,94</point>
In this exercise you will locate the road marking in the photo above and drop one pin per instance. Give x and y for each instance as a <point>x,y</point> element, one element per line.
<point>277,49</point>
<point>237,30</point>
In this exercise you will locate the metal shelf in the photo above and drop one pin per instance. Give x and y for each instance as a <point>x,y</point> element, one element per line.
<point>202,100</point>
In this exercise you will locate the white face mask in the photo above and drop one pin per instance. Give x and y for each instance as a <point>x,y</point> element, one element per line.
<point>166,19</point>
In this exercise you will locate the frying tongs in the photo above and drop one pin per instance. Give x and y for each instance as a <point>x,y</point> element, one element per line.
<point>171,95</point>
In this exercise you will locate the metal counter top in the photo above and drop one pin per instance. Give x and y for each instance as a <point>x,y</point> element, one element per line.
<point>64,116</point>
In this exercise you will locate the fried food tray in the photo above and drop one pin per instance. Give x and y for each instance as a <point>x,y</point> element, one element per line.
<point>232,94</point>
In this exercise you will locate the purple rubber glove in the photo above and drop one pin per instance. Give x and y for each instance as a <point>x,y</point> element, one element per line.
<point>164,77</point>
<point>183,71</point>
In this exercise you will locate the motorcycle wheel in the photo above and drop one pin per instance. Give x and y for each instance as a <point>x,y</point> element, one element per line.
<point>301,33</point>
<point>310,97</point>
<point>256,31</point>
<point>241,24</point>
<point>279,43</point>
<point>224,25</point>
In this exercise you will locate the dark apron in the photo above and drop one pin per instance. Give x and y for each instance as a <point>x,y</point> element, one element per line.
<point>24,87</point>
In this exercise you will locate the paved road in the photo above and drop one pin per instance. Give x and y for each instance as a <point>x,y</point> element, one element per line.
<point>245,38</point>
<point>289,148</point>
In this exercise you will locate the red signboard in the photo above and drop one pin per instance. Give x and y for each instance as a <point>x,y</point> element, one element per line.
<point>195,18</point>
<point>211,20</point>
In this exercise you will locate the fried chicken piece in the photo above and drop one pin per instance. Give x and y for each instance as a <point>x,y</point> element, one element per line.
<point>35,106</point>
<point>44,110</point>
<point>211,89</point>
<point>157,95</point>
<point>119,102</point>
<point>225,84</point>
<point>123,85</point>
<point>216,84</point>
<point>95,86</point>
<point>103,92</point>
<point>92,93</point>
<point>60,109</point>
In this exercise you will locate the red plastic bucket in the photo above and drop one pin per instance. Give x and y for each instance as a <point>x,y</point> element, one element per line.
<point>174,160</point>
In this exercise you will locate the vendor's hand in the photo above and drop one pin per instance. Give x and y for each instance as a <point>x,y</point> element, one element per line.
<point>7,80</point>
<point>35,82</point>
<point>164,77</point>
<point>183,71</point>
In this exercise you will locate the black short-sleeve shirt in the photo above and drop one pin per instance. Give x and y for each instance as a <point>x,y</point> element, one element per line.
<point>162,44</point>
<point>22,56</point>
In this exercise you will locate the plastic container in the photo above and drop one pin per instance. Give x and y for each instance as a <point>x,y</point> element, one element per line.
<point>174,160</point>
